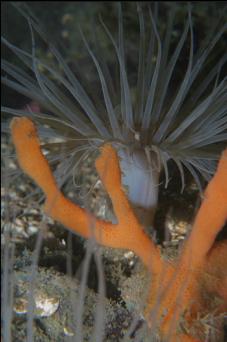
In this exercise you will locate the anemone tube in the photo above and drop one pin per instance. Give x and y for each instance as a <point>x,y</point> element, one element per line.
<point>171,292</point>
<point>184,121</point>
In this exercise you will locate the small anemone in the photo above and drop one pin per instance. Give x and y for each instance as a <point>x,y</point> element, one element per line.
<point>174,107</point>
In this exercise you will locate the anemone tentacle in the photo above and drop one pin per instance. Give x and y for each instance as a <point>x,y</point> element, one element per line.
<point>181,119</point>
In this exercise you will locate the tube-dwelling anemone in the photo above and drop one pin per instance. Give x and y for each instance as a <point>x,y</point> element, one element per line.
<point>150,111</point>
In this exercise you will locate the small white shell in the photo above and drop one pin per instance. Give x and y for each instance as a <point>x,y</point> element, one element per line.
<point>46,306</point>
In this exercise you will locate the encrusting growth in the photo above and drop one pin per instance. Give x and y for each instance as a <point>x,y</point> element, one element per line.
<point>175,288</point>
